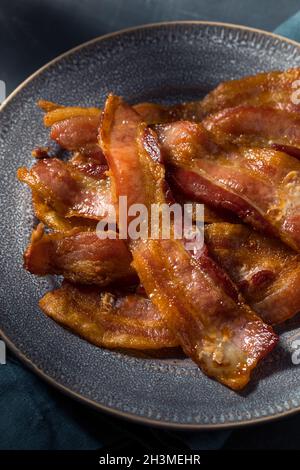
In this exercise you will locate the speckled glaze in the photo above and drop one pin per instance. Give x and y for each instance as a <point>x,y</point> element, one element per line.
<point>164,62</point>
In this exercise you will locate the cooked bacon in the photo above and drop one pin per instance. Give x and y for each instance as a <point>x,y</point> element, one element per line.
<point>60,114</point>
<point>152,113</point>
<point>67,190</point>
<point>76,132</point>
<point>242,159</point>
<point>75,126</point>
<point>157,114</point>
<point>183,141</point>
<point>210,215</point>
<point>108,319</point>
<point>118,133</point>
<point>79,256</point>
<point>47,106</point>
<point>273,89</point>
<point>79,131</point>
<point>53,220</point>
<point>264,269</point>
<point>289,149</point>
<point>222,335</point>
<point>90,161</point>
<point>249,125</point>
<point>261,186</point>
<point>41,152</point>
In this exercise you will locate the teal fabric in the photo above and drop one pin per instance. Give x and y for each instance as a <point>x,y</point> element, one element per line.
<point>34,416</point>
<point>290,28</point>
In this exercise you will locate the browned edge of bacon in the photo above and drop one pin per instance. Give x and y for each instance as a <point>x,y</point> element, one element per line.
<point>79,256</point>
<point>108,319</point>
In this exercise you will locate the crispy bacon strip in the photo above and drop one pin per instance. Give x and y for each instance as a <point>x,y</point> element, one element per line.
<point>53,220</point>
<point>223,336</point>
<point>108,319</point>
<point>91,162</point>
<point>47,106</point>
<point>79,256</point>
<point>273,89</point>
<point>68,190</point>
<point>156,114</point>
<point>220,333</point>
<point>261,186</point>
<point>75,128</point>
<point>249,125</point>
<point>63,113</point>
<point>75,132</point>
<point>78,129</point>
<point>265,270</point>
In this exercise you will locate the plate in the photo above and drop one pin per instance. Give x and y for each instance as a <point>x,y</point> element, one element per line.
<point>166,62</point>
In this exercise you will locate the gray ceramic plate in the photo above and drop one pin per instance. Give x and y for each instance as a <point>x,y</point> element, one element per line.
<point>164,62</point>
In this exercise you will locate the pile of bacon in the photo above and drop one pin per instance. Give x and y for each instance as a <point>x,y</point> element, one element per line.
<point>237,151</point>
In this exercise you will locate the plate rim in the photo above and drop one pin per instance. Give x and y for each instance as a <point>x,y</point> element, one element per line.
<point>43,375</point>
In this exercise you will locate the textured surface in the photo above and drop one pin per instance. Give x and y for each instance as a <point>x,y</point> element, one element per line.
<point>166,63</point>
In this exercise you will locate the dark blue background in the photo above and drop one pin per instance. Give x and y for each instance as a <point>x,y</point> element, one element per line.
<point>34,31</point>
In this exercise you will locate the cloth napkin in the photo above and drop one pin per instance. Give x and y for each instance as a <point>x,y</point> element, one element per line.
<point>36,416</point>
<point>290,28</point>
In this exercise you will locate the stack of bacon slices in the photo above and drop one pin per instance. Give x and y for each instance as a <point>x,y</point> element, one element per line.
<point>238,152</point>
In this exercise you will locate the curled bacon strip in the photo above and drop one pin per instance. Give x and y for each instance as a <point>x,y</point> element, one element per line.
<point>237,160</point>
<point>261,186</point>
<point>77,128</point>
<point>273,89</point>
<point>264,269</point>
<point>75,132</point>
<point>224,337</point>
<point>78,256</point>
<point>108,319</point>
<point>249,125</point>
<point>62,113</point>
<point>67,190</point>
<point>50,217</point>
<point>91,162</point>
<point>220,333</point>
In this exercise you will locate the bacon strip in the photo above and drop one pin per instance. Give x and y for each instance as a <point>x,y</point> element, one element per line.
<point>222,335</point>
<point>265,270</point>
<point>73,127</point>
<point>108,319</point>
<point>79,256</point>
<point>261,186</point>
<point>75,132</point>
<point>50,217</point>
<point>91,162</point>
<point>249,125</point>
<point>78,129</point>
<point>273,89</point>
<point>68,190</point>
<point>62,113</point>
